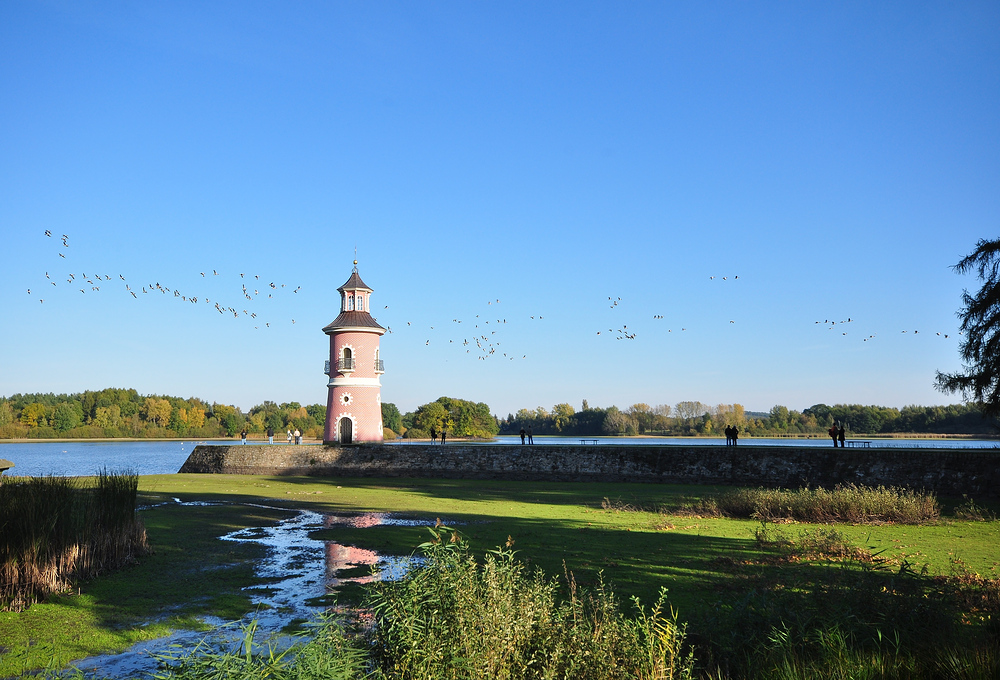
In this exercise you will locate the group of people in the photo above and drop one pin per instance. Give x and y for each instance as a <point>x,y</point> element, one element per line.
<point>270,436</point>
<point>434,436</point>
<point>732,435</point>
<point>837,434</point>
<point>531,440</point>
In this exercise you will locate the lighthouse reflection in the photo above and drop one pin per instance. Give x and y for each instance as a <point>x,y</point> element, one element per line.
<point>340,558</point>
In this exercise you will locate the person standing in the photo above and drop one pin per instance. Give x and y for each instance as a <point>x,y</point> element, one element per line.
<point>243,436</point>
<point>833,432</point>
<point>523,433</point>
<point>840,435</point>
<point>289,433</point>
<point>444,435</point>
<point>735,434</point>
<point>298,436</point>
<point>434,436</point>
<point>270,434</point>
<point>531,439</point>
<point>729,435</point>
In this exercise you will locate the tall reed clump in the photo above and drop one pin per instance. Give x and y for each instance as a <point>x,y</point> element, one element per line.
<point>847,503</point>
<point>57,530</point>
<point>457,618</point>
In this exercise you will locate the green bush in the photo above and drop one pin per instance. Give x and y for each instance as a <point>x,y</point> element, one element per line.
<point>457,618</point>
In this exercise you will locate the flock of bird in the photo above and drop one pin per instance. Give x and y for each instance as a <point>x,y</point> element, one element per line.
<point>831,325</point>
<point>485,338</point>
<point>270,288</point>
<point>482,338</point>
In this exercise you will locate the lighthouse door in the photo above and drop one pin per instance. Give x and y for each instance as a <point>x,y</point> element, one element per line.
<point>345,431</point>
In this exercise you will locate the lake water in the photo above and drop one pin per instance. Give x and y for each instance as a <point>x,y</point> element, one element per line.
<point>166,457</point>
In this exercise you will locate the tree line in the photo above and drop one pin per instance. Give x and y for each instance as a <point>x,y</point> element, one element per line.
<point>696,418</point>
<point>118,412</point>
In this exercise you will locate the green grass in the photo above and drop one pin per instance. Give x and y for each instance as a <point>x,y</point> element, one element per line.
<point>701,561</point>
<point>189,574</point>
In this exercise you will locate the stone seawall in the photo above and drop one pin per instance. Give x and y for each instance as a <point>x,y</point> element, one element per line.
<point>945,471</point>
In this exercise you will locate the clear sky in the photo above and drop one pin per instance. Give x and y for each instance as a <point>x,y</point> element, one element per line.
<point>837,158</point>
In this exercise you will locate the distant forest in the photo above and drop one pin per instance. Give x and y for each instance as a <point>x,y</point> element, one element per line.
<point>696,418</point>
<point>115,412</point>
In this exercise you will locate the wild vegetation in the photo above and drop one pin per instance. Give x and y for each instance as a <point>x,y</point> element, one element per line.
<point>848,503</point>
<point>759,599</point>
<point>56,531</point>
<point>828,609</point>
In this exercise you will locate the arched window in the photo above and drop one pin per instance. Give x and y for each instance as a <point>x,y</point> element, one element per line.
<point>350,302</point>
<point>361,303</point>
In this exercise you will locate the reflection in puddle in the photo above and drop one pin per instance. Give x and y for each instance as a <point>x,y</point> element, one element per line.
<point>297,569</point>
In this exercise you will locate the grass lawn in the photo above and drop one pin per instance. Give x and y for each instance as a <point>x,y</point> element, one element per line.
<point>702,561</point>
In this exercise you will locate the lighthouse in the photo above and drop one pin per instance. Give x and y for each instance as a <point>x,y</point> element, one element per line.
<point>354,402</point>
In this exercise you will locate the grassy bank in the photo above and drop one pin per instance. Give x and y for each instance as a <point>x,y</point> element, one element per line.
<point>720,572</point>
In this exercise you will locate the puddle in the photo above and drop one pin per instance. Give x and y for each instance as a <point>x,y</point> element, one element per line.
<point>297,569</point>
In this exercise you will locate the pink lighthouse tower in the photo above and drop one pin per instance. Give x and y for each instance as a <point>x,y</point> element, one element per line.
<point>354,402</point>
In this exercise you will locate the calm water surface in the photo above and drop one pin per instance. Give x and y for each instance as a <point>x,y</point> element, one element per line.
<point>166,457</point>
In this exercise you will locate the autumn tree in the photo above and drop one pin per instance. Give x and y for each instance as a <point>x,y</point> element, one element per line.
<point>562,415</point>
<point>156,411</point>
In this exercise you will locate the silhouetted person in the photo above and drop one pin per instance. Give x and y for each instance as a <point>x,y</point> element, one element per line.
<point>729,435</point>
<point>735,435</point>
<point>840,436</point>
<point>434,436</point>
<point>444,435</point>
<point>833,432</point>
<point>523,433</point>
<point>531,440</point>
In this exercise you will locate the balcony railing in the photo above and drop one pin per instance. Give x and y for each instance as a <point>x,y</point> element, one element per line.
<point>379,366</point>
<point>326,367</point>
<point>346,364</point>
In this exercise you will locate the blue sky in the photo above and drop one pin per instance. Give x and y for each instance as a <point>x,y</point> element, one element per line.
<point>838,159</point>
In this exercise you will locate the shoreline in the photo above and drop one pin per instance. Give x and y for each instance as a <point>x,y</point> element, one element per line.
<point>314,442</point>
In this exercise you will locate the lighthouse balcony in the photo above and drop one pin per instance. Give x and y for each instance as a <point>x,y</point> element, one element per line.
<point>326,367</point>
<point>346,365</point>
<point>379,366</point>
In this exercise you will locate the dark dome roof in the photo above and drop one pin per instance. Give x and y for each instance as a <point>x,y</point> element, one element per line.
<point>355,283</point>
<point>353,319</point>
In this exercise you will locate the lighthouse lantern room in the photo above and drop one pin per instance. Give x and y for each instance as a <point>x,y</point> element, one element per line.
<point>354,402</point>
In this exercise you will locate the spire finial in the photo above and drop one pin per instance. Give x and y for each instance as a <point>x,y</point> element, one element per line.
<point>355,258</point>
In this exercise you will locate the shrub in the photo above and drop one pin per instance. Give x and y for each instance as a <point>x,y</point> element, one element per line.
<point>454,617</point>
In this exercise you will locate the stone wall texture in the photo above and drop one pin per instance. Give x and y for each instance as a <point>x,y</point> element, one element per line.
<point>945,471</point>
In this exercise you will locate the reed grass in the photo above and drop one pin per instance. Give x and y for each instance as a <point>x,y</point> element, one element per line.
<point>849,503</point>
<point>56,531</point>
<point>458,618</point>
